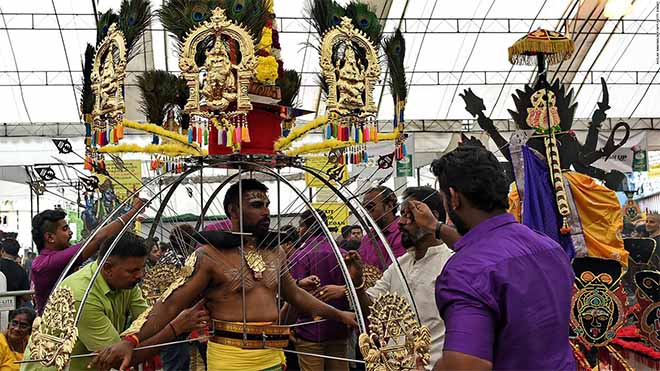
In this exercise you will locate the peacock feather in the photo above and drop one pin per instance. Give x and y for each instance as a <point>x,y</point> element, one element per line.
<point>133,20</point>
<point>180,16</point>
<point>395,51</point>
<point>289,85</point>
<point>158,89</point>
<point>365,20</point>
<point>324,14</point>
<point>86,94</point>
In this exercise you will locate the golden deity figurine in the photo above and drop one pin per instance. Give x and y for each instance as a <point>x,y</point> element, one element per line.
<point>224,82</point>
<point>108,74</point>
<point>350,83</point>
<point>219,83</point>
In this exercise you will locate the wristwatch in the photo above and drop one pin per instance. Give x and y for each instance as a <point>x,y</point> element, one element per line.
<point>438,228</point>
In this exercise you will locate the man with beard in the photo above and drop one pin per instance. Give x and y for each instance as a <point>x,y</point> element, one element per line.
<point>381,204</point>
<point>241,290</point>
<point>505,295</point>
<point>114,298</point>
<point>421,265</point>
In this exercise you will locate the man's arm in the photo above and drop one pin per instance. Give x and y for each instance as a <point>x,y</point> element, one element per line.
<point>111,229</point>
<point>183,297</point>
<point>460,361</point>
<point>307,303</point>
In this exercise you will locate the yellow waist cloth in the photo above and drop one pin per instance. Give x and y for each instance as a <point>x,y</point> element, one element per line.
<point>227,358</point>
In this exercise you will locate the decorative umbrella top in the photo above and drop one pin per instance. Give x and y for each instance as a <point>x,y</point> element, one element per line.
<point>553,45</point>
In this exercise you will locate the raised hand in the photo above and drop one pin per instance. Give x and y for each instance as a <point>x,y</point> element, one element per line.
<point>473,104</point>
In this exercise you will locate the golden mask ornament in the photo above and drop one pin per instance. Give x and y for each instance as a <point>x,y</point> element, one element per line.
<point>108,73</point>
<point>396,339</point>
<point>543,115</point>
<point>54,333</point>
<point>225,83</point>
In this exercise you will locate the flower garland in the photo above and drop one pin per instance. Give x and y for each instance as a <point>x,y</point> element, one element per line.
<point>266,71</point>
<point>155,129</point>
<point>169,149</point>
<point>388,136</point>
<point>320,147</point>
<point>284,142</point>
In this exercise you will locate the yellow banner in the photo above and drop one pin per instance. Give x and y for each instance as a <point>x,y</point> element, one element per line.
<point>124,180</point>
<point>321,163</point>
<point>654,171</point>
<point>336,212</point>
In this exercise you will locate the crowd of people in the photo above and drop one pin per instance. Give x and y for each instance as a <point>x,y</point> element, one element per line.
<point>466,262</point>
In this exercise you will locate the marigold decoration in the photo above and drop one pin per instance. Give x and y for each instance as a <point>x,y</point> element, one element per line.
<point>299,131</point>
<point>167,149</point>
<point>537,47</point>
<point>266,72</point>
<point>266,40</point>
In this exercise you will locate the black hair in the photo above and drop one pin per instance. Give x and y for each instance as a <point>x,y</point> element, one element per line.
<point>10,246</point>
<point>350,245</point>
<point>307,218</point>
<point>129,245</point>
<point>46,221</point>
<point>387,195</point>
<point>246,185</point>
<point>641,230</point>
<point>348,229</point>
<point>290,233</point>
<point>430,197</point>
<point>477,174</point>
<point>181,239</point>
<point>24,310</point>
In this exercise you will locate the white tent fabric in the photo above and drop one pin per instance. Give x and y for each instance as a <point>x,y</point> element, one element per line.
<point>629,56</point>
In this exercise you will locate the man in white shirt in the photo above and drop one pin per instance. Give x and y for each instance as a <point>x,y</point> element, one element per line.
<point>421,265</point>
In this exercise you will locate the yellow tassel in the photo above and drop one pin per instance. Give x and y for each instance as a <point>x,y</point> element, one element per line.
<point>245,134</point>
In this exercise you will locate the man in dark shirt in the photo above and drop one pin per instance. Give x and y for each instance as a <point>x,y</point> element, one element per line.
<point>17,279</point>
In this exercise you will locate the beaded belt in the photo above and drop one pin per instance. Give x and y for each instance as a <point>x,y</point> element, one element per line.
<point>250,335</point>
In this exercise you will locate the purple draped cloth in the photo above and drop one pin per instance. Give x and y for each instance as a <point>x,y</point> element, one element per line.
<point>539,206</point>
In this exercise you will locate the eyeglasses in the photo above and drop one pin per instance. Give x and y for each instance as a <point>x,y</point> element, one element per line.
<point>20,325</point>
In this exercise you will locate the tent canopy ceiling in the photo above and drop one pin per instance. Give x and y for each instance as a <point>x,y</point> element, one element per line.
<point>449,48</point>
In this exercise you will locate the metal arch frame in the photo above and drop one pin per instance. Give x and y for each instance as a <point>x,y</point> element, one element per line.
<point>174,186</point>
<point>372,223</point>
<point>105,222</point>
<point>335,248</point>
<point>83,300</point>
<point>212,197</point>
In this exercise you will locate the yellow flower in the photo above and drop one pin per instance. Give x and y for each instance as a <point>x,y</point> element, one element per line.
<point>266,40</point>
<point>267,70</point>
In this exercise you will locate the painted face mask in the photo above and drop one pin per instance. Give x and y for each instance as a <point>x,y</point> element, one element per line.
<point>597,310</point>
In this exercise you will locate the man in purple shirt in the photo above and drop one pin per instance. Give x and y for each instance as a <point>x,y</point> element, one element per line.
<point>316,258</point>
<point>51,234</point>
<point>505,295</point>
<point>381,203</point>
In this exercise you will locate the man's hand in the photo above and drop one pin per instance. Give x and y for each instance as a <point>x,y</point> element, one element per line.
<point>112,356</point>
<point>355,267</point>
<point>423,216</point>
<point>330,292</point>
<point>137,204</point>
<point>194,318</point>
<point>310,283</point>
<point>347,318</point>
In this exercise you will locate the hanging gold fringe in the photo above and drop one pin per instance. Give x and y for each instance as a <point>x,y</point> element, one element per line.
<point>284,142</point>
<point>524,50</point>
<point>324,146</point>
<point>168,149</point>
<point>155,129</point>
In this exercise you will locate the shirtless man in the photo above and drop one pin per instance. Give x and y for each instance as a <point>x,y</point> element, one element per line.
<point>220,276</point>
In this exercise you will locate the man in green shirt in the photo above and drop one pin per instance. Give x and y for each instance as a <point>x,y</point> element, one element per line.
<point>114,301</point>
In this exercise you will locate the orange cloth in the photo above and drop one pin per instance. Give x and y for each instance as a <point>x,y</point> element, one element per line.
<point>515,205</point>
<point>600,216</point>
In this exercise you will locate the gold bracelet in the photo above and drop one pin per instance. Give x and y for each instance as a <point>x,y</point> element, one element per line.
<point>361,285</point>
